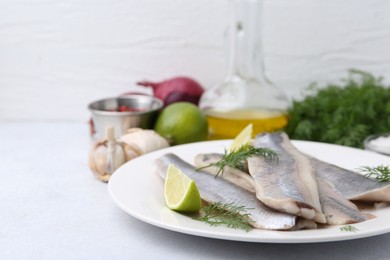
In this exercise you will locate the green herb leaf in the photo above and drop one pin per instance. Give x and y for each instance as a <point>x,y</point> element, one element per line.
<point>216,214</point>
<point>349,229</point>
<point>342,113</point>
<point>380,173</point>
<point>237,158</point>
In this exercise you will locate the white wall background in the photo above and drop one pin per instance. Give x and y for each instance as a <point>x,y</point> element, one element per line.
<point>57,56</point>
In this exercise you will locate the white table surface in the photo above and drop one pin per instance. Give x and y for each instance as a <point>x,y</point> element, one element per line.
<point>51,207</point>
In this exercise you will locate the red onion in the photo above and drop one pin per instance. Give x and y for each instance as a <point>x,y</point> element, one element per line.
<point>175,90</point>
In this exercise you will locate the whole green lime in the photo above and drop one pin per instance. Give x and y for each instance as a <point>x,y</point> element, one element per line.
<point>181,123</point>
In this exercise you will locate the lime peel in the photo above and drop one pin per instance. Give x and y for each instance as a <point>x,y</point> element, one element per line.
<point>181,123</point>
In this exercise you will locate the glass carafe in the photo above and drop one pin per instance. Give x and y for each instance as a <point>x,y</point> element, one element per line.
<point>245,96</point>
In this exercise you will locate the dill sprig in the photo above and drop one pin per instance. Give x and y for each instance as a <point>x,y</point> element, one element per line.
<point>342,113</point>
<point>216,214</point>
<point>380,173</point>
<point>237,158</point>
<point>349,229</point>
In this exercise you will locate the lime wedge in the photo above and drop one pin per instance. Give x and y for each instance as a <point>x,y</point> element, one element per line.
<point>180,192</point>
<point>242,138</point>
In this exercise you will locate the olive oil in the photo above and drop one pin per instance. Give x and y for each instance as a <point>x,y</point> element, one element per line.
<point>226,125</point>
<point>245,95</point>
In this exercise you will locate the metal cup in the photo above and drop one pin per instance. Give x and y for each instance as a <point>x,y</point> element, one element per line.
<point>105,113</point>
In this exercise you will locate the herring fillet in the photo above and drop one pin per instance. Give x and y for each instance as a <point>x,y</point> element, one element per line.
<point>351,185</point>
<point>289,183</point>
<point>337,209</point>
<point>218,190</point>
<point>239,178</point>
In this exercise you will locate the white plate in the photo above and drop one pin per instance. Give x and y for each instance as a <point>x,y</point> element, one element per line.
<point>138,190</point>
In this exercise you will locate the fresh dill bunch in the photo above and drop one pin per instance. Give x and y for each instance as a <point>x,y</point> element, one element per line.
<point>343,113</point>
<point>216,214</point>
<point>349,229</point>
<point>237,158</point>
<point>380,173</point>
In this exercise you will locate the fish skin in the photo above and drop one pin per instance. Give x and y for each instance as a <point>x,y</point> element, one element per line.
<point>219,190</point>
<point>239,178</point>
<point>351,185</point>
<point>289,183</point>
<point>337,209</point>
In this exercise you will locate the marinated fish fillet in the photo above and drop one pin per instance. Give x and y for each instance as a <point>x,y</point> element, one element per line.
<point>219,190</point>
<point>303,223</point>
<point>337,209</point>
<point>239,178</point>
<point>351,185</point>
<point>289,183</point>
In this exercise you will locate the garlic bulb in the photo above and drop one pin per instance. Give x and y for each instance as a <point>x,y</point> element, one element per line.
<point>106,156</point>
<point>139,141</point>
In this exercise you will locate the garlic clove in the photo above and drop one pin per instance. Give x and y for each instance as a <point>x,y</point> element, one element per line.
<point>106,156</point>
<point>132,130</point>
<point>131,151</point>
<point>97,158</point>
<point>141,141</point>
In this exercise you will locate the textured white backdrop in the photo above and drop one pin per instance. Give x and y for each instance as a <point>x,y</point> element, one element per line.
<point>57,56</point>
